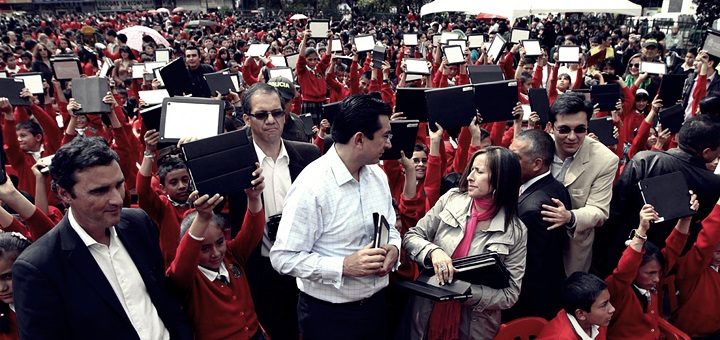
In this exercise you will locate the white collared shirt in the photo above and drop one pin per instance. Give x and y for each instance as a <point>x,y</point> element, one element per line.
<point>277,184</point>
<point>644,292</point>
<point>216,275</point>
<point>327,216</point>
<point>581,332</point>
<point>532,181</point>
<point>122,274</point>
<point>37,154</point>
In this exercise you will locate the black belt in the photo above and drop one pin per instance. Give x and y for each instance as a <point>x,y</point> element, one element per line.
<point>358,303</point>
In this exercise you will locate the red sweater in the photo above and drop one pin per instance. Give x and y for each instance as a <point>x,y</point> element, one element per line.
<point>699,284</point>
<point>37,225</point>
<point>560,328</point>
<point>630,321</point>
<point>12,334</point>
<point>165,215</point>
<point>216,310</point>
<point>313,84</point>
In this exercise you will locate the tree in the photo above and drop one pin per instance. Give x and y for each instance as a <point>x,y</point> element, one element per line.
<point>707,11</point>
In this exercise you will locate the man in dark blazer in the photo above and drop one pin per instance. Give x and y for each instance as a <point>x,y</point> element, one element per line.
<point>282,160</point>
<point>99,273</point>
<point>544,272</point>
<point>709,63</point>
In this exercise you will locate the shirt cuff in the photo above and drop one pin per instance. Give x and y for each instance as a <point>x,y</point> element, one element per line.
<point>199,239</point>
<point>331,270</point>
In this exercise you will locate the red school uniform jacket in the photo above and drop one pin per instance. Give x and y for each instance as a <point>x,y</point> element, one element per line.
<point>630,320</point>
<point>699,284</point>
<point>312,83</point>
<point>217,310</point>
<point>560,328</point>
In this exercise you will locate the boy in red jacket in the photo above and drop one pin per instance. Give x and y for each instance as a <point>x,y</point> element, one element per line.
<point>586,312</point>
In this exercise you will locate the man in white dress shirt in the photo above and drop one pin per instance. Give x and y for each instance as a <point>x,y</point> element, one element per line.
<point>326,232</point>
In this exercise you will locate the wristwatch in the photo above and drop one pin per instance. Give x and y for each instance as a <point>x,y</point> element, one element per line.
<point>148,154</point>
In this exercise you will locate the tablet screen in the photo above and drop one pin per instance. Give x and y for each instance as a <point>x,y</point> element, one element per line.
<point>158,77</point>
<point>532,47</point>
<point>496,47</point>
<point>337,45</point>
<point>447,36</point>
<point>278,60</point>
<point>285,72</point>
<point>105,67</point>
<point>476,41</point>
<point>454,54</point>
<point>654,68</point>
<point>190,120</point>
<point>257,50</point>
<point>66,69</point>
<point>457,42</point>
<point>150,66</point>
<point>162,56</point>
<point>518,35</point>
<point>292,60</point>
<point>319,29</point>
<point>436,39</point>
<point>569,54</point>
<point>138,70</point>
<point>364,43</point>
<point>153,97</point>
<point>33,82</point>
<point>410,39</point>
<point>712,43</point>
<point>417,66</point>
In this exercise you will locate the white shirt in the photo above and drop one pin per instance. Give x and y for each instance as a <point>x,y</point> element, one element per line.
<point>644,292</point>
<point>328,216</point>
<point>532,181</point>
<point>277,184</point>
<point>216,275</point>
<point>581,332</point>
<point>120,271</point>
<point>560,167</point>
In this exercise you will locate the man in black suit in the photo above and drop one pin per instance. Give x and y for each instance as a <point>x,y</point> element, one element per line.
<point>705,64</point>
<point>99,273</point>
<point>282,160</point>
<point>544,272</point>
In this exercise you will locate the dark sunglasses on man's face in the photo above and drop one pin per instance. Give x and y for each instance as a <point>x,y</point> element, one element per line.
<point>263,115</point>
<point>565,130</point>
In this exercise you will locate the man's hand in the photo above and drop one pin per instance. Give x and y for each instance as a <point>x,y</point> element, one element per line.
<point>152,137</point>
<point>365,262</point>
<point>557,215</point>
<point>257,185</point>
<point>390,259</point>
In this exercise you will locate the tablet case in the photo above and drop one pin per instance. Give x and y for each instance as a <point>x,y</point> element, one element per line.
<point>606,96</point>
<point>222,164</point>
<point>307,124</point>
<point>219,82</point>
<point>65,68</point>
<point>451,107</point>
<point>89,92</point>
<point>668,194</point>
<point>411,102</point>
<point>378,56</point>
<point>151,117</point>
<point>404,135</point>
<point>428,287</point>
<point>216,118</point>
<point>35,85</point>
<point>671,88</point>
<point>330,111</point>
<point>176,78</point>
<point>382,231</point>
<point>484,269</point>
<point>540,103</point>
<point>10,89</point>
<point>672,117</point>
<point>495,101</point>
<point>485,73</point>
<point>603,129</point>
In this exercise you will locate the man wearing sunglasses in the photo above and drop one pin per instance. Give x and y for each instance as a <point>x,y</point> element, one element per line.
<point>282,160</point>
<point>587,168</point>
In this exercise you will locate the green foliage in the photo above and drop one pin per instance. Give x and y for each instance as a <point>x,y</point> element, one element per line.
<point>707,11</point>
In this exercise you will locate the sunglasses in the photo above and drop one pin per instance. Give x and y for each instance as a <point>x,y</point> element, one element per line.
<point>263,115</point>
<point>565,130</point>
<point>635,65</point>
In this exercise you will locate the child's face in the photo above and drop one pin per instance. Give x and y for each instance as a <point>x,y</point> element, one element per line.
<point>716,256</point>
<point>648,276</point>
<point>601,311</point>
<point>213,248</point>
<point>6,289</point>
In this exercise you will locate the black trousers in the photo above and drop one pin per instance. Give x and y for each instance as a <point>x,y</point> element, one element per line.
<point>275,297</point>
<point>361,320</point>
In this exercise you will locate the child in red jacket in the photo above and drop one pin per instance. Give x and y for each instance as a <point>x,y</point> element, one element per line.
<point>633,284</point>
<point>11,245</point>
<point>209,274</point>
<point>586,312</point>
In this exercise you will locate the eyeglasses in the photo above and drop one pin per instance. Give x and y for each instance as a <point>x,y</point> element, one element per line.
<point>637,65</point>
<point>263,115</point>
<point>565,130</point>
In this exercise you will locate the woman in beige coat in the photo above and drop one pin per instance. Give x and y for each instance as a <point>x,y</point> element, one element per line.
<point>477,217</point>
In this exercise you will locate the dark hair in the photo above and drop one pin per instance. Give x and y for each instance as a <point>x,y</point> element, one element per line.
<point>76,156</point>
<point>710,105</point>
<point>569,104</point>
<point>122,37</point>
<point>700,133</point>
<point>218,219</point>
<point>6,56</point>
<point>128,50</point>
<point>421,147</point>
<point>11,245</point>
<point>192,47</point>
<point>504,168</point>
<point>541,145</point>
<point>358,113</point>
<point>652,253</point>
<point>111,32</point>
<point>260,88</point>
<point>30,125</point>
<point>580,291</point>
<point>168,165</point>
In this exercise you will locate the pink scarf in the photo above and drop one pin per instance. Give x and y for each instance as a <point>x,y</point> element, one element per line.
<point>445,317</point>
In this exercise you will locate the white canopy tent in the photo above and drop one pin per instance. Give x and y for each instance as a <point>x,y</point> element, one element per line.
<point>518,8</point>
